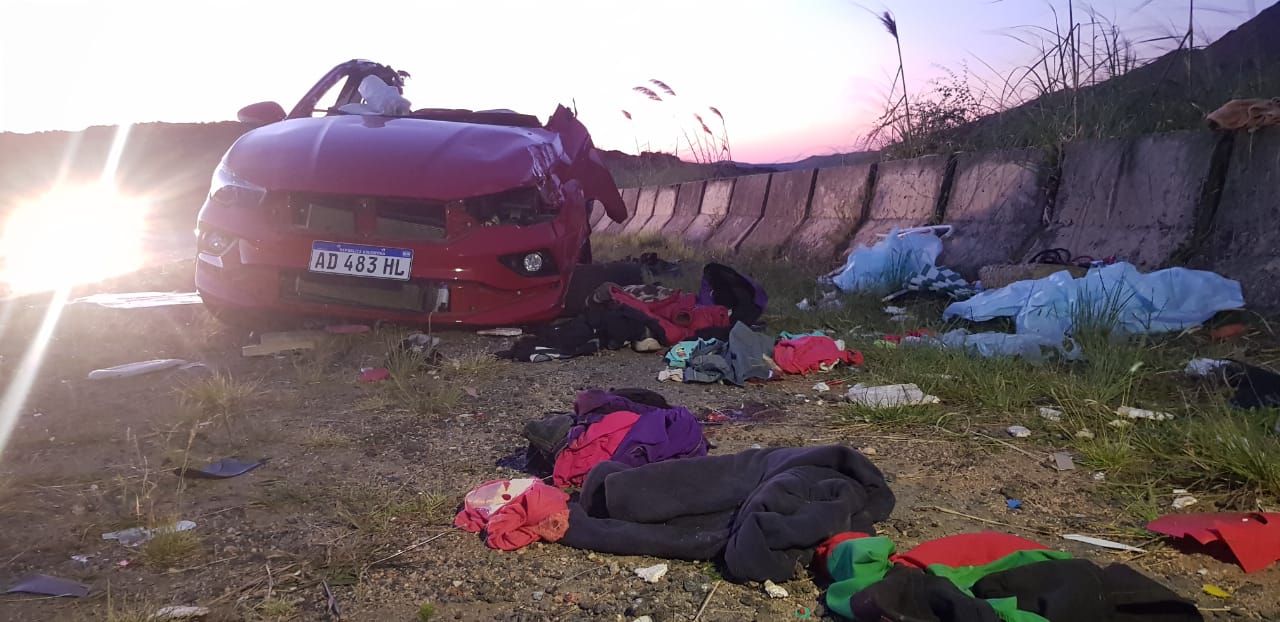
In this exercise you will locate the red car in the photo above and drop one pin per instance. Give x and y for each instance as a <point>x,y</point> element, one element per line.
<point>452,216</point>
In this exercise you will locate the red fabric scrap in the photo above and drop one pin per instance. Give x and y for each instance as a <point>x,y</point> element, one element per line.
<point>823,551</point>
<point>967,549</point>
<point>534,512</point>
<point>377,374</point>
<point>679,315</point>
<point>1254,537</point>
<point>812,353</point>
<point>594,446</point>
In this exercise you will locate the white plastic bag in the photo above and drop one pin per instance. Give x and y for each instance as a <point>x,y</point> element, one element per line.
<point>887,265</point>
<point>1116,296</point>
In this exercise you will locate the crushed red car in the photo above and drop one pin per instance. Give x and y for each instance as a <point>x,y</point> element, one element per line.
<point>353,205</point>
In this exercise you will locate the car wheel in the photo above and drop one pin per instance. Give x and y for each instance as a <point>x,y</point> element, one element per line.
<point>587,277</point>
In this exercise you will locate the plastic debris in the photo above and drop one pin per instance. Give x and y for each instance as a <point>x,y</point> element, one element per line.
<point>1013,504</point>
<point>1184,502</point>
<point>1156,302</point>
<point>671,375</point>
<point>1052,414</point>
<point>888,396</point>
<point>1099,476</point>
<point>1106,544</point>
<point>374,374</point>
<point>1205,367</point>
<point>1084,433</point>
<point>1254,537</point>
<point>1062,461</point>
<point>179,613</point>
<point>1215,591</point>
<point>46,585</point>
<point>222,469</point>
<point>885,266</point>
<point>142,300</point>
<point>1018,431</point>
<point>84,559</point>
<point>140,368</point>
<point>774,590</point>
<point>652,574</point>
<point>500,332</point>
<point>821,387</point>
<point>1141,413</point>
<point>139,535</point>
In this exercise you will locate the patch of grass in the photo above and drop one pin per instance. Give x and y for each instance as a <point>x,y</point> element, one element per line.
<point>387,512</point>
<point>413,385</point>
<point>218,395</point>
<point>277,608</point>
<point>170,548</point>
<point>472,364</point>
<point>320,438</point>
<point>426,611</point>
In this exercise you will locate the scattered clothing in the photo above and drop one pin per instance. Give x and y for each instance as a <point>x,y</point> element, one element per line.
<point>46,585</point>
<point>806,354</point>
<point>655,265</point>
<point>747,355</point>
<point>725,287</point>
<point>1255,387</point>
<point>594,445</point>
<point>1253,538</point>
<point>934,280</point>
<point>564,340</point>
<point>678,355</point>
<point>969,549</point>
<point>1250,114</point>
<point>679,317</point>
<point>651,292</point>
<point>761,510</point>
<point>515,513</point>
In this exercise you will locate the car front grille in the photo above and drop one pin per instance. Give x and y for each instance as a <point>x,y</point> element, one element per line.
<point>393,219</point>
<point>411,296</point>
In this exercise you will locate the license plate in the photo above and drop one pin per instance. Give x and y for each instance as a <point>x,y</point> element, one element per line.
<point>378,262</point>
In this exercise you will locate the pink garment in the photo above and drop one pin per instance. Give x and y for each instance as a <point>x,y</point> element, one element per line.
<point>515,513</point>
<point>812,353</point>
<point>594,446</point>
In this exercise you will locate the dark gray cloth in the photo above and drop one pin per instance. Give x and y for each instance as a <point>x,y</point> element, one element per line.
<point>762,510</point>
<point>738,360</point>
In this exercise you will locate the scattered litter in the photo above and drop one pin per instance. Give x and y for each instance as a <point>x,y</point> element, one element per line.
<point>1205,367</point>
<point>1254,538</point>
<point>643,619</point>
<point>1230,331</point>
<point>1062,461</point>
<point>1052,414</point>
<point>374,374</point>
<point>1106,544</point>
<point>139,535</point>
<point>829,300</point>
<point>222,469</point>
<point>124,563</point>
<point>889,396</point>
<point>1120,423</point>
<point>1013,504</point>
<point>821,387</point>
<point>46,585</point>
<point>1184,502</point>
<point>347,329</point>
<point>140,368</point>
<point>1141,413</point>
<point>1084,433</point>
<point>1204,572</point>
<point>471,392</point>
<point>1099,476</point>
<point>895,311</point>
<point>1018,431</point>
<point>653,573</point>
<point>671,375</point>
<point>420,343</point>
<point>277,343</point>
<point>1180,491</point>
<point>1216,591</point>
<point>179,613</point>
<point>37,414</point>
<point>868,451</point>
<point>500,332</point>
<point>142,300</point>
<point>774,590</point>
<point>84,559</point>
<point>885,265</point>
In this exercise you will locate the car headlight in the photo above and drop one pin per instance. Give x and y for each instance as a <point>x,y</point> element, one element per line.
<point>214,242</point>
<point>228,188</point>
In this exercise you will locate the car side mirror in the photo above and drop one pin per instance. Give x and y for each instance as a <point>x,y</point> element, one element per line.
<point>261,113</point>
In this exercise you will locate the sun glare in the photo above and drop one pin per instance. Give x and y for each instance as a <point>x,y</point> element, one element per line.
<point>71,236</point>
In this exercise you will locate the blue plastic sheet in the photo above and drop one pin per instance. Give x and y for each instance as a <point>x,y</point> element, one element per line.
<point>890,263</point>
<point>1116,296</point>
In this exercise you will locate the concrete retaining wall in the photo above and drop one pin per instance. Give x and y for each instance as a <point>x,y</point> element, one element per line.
<point>664,207</point>
<point>745,209</point>
<point>688,201</point>
<point>644,211</point>
<point>606,224</point>
<point>906,195</point>
<point>1133,199</point>
<point>714,208</point>
<point>836,210</point>
<point>1242,241</point>
<point>997,204</point>
<point>784,210</point>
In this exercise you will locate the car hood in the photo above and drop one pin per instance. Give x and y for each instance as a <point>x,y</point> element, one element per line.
<point>383,156</point>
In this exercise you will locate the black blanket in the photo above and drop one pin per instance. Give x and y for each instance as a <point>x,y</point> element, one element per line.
<point>762,511</point>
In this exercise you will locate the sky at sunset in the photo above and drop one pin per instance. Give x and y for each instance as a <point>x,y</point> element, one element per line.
<point>793,78</point>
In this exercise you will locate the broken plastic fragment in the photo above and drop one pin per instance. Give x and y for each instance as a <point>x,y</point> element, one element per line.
<point>1216,591</point>
<point>889,395</point>
<point>142,367</point>
<point>139,535</point>
<point>1052,414</point>
<point>1106,544</point>
<point>222,469</point>
<point>48,586</point>
<point>1140,413</point>
<point>179,613</point>
<point>1062,461</point>
<point>774,590</point>
<point>1184,502</point>
<point>671,375</point>
<point>1018,431</point>
<point>376,374</point>
<point>821,387</point>
<point>500,332</point>
<point>652,574</point>
<point>1254,538</point>
<point>142,300</point>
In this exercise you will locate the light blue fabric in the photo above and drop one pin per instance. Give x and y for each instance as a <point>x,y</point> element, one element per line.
<point>890,263</point>
<point>678,355</point>
<point>786,336</point>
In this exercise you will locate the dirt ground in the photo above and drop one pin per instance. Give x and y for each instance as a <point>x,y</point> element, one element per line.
<point>360,486</point>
